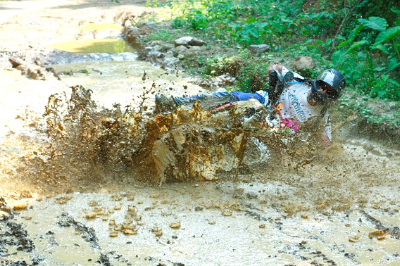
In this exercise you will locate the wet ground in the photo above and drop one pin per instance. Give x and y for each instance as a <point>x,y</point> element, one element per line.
<point>341,208</point>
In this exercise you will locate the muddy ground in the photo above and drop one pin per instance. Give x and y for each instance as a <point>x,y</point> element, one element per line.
<point>340,208</point>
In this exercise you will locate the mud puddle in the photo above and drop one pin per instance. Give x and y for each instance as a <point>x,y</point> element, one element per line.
<point>336,210</point>
<point>197,224</point>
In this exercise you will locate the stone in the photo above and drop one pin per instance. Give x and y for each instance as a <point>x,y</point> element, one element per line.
<point>189,41</point>
<point>127,23</point>
<point>132,35</point>
<point>16,62</point>
<point>197,42</point>
<point>36,74</point>
<point>260,48</point>
<point>180,50</point>
<point>183,41</point>
<point>303,64</point>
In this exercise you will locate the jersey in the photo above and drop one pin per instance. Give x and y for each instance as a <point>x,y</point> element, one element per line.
<point>296,109</point>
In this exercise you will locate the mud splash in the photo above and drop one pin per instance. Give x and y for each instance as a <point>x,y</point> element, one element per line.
<point>87,142</point>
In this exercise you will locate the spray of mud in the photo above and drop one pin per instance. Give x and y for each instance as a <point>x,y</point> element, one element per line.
<point>90,146</point>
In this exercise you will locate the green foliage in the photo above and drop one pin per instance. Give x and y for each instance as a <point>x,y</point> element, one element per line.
<point>371,59</point>
<point>152,3</point>
<point>220,65</point>
<point>162,35</point>
<point>253,77</point>
<point>243,22</point>
<point>359,37</point>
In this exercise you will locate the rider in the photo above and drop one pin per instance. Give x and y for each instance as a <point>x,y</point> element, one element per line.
<point>299,100</point>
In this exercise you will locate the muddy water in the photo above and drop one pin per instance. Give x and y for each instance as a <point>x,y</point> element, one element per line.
<point>94,46</point>
<point>122,82</point>
<point>220,224</point>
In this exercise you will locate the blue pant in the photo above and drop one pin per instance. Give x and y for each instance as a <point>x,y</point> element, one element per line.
<point>218,98</point>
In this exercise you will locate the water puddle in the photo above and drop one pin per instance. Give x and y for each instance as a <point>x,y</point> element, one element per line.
<point>110,46</point>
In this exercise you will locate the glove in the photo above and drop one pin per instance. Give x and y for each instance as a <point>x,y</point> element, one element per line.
<point>319,97</point>
<point>289,76</point>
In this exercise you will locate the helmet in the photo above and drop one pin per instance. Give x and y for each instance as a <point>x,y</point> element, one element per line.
<point>334,79</point>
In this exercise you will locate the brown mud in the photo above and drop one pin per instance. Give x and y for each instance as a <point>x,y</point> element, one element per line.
<point>90,175</point>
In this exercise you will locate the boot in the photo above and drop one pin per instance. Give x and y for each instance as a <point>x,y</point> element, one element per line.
<point>164,104</point>
<point>275,86</point>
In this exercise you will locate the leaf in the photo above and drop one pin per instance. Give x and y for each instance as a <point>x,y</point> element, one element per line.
<point>394,82</point>
<point>381,93</point>
<point>393,64</point>
<point>378,69</point>
<point>395,10</point>
<point>387,35</point>
<point>375,23</point>
<point>250,20</point>
<point>356,45</point>
<point>234,25</point>
<point>254,33</point>
<point>382,48</point>
<point>353,35</point>
<point>262,25</point>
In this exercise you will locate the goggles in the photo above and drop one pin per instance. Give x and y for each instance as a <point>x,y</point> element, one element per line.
<point>328,90</point>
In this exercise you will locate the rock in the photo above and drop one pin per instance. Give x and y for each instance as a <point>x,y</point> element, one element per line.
<point>149,24</point>
<point>225,80</point>
<point>5,209</point>
<point>260,48</point>
<point>189,41</point>
<point>157,48</point>
<point>196,49</point>
<point>117,58</point>
<point>20,205</point>
<point>197,42</point>
<point>303,64</point>
<point>251,195</point>
<point>5,214</point>
<point>180,50</point>
<point>36,74</point>
<point>132,35</point>
<point>127,23</point>
<point>146,29</point>
<point>16,62</point>
<point>184,41</point>
<point>22,68</point>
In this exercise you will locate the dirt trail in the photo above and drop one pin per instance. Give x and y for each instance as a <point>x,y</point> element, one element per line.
<point>341,208</point>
